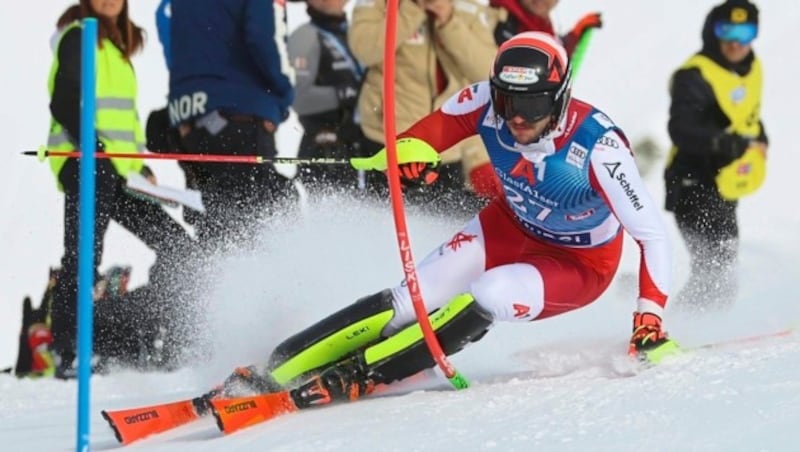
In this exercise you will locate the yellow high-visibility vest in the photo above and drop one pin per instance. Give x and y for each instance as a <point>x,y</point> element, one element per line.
<point>739,98</point>
<point>116,118</point>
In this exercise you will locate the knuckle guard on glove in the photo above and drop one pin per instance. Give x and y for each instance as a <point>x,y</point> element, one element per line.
<point>593,20</point>
<point>417,174</point>
<point>728,147</point>
<point>647,332</point>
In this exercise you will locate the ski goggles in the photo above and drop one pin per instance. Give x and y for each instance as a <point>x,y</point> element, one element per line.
<point>530,107</point>
<point>743,33</point>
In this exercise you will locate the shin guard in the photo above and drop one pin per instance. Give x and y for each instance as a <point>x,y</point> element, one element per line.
<point>352,328</point>
<point>456,324</point>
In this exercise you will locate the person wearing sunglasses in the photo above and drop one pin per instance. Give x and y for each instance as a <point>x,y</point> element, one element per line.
<point>550,244</point>
<point>716,128</point>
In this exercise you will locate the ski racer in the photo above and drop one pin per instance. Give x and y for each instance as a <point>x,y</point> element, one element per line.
<point>551,243</point>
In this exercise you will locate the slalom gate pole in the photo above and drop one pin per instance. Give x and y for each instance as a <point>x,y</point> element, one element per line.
<point>211,158</point>
<point>393,174</point>
<point>580,52</point>
<point>86,229</point>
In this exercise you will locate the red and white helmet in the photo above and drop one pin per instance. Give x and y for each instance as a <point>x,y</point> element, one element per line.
<point>530,78</point>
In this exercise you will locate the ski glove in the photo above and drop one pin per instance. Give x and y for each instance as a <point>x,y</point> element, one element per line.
<point>417,174</point>
<point>587,22</point>
<point>347,96</point>
<point>148,174</point>
<point>649,342</point>
<point>592,20</point>
<point>728,147</point>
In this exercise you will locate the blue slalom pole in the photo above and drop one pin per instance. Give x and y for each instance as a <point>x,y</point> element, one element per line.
<point>86,228</point>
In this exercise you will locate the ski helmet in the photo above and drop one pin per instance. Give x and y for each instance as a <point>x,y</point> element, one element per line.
<point>530,78</point>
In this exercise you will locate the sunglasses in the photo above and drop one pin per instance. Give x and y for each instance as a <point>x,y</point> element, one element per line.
<point>530,107</point>
<point>743,33</point>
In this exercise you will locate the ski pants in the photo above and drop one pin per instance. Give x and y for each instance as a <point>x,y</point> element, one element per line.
<point>710,230</point>
<point>512,275</point>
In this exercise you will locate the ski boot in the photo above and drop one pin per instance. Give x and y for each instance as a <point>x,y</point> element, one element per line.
<point>39,340</point>
<point>244,381</point>
<point>346,380</point>
<point>34,358</point>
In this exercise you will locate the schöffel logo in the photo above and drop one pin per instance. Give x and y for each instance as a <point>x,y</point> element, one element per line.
<point>630,192</point>
<point>141,417</point>
<point>242,406</point>
<point>612,168</point>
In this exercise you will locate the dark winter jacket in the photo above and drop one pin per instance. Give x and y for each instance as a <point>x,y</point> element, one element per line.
<point>229,55</point>
<point>163,13</point>
<point>514,19</point>
<point>328,80</point>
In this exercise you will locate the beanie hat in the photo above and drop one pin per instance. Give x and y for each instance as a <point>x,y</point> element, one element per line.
<point>733,11</point>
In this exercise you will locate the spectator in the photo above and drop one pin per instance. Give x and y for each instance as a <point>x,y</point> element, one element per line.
<point>714,118</point>
<point>160,135</point>
<point>230,88</point>
<point>328,80</point>
<point>163,16</point>
<point>517,16</point>
<point>442,44</point>
<point>120,325</point>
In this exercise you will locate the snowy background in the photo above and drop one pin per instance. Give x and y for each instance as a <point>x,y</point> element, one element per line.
<point>560,384</point>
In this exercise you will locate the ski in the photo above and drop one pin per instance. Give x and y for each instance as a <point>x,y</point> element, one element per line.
<point>133,424</point>
<point>238,413</point>
<point>234,414</point>
<point>231,414</point>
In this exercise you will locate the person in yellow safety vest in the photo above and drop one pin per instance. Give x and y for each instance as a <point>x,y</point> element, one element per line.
<point>441,46</point>
<point>120,326</point>
<point>714,120</point>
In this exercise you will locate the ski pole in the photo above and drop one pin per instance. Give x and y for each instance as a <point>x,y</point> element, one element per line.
<point>211,158</point>
<point>393,174</point>
<point>580,52</point>
<point>745,340</point>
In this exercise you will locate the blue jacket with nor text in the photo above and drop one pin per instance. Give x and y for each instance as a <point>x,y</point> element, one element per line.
<point>163,13</point>
<point>229,55</point>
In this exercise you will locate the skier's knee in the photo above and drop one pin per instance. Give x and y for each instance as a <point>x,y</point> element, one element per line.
<point>513,292</point>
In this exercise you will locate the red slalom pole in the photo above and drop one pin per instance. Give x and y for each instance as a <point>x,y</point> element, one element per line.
<point>211,158</point>
<point>393,173</point>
